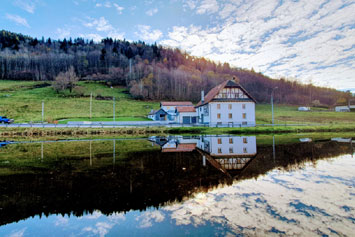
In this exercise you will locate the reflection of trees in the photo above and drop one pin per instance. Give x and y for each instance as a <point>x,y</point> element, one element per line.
<point>143,180</point>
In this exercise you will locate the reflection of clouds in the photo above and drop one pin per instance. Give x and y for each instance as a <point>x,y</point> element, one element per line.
<point>104,225</point>
<point>61,221</point>
<point>296,203</point>
<point>116,217</point>
<point>18,233</point>
<point>146,220</point>
<point>101,228</point>
<point>94,215</point>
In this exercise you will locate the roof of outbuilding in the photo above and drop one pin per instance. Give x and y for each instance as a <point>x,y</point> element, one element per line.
<point>176,103</point>
<point>185,109</point>
<point>152,112</point>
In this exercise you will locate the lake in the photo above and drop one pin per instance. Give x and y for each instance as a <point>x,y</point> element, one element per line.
<point>178,185</point>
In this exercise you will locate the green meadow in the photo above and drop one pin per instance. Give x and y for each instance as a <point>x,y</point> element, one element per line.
<point>22,101</point>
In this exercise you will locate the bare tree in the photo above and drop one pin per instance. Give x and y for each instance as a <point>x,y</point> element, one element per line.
<point>65,80</point>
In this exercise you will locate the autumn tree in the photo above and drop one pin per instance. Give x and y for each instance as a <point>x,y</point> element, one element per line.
<point>65,80</point>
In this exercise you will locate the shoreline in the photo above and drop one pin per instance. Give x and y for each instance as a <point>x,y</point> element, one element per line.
<point>140,131</point>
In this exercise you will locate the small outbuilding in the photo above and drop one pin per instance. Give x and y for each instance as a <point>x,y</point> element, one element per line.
<point>304,109</point>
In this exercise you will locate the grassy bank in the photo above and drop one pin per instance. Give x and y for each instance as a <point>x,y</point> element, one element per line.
<point>144,131</point>
<point>22,101</point>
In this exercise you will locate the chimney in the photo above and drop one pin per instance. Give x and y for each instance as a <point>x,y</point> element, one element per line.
<point>202,96</point>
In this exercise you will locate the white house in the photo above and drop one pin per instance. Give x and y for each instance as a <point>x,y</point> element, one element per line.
<point>227,104</point>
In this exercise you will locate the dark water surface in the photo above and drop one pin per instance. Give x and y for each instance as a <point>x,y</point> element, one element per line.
<point>183,185</point>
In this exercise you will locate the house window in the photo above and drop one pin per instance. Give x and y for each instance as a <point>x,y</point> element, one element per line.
<point>243,106</point>
<point>218,106</point>
<point>230,106</point>
<point>230,116</point>
<point>230,149</point>
<point>219,140</point>
<point>245,150</point>
<point>219,150</point>
<point>244,115</point>
<point>245,140</point>
<point>230,140</point>
<point>219,116</point>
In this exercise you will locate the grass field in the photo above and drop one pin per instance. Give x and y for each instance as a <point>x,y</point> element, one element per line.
<point>22,101</point>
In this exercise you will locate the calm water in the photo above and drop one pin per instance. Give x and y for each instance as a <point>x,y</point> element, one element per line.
<point>197,185</point>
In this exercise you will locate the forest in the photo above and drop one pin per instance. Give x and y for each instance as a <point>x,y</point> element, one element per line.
<point>149,71</point>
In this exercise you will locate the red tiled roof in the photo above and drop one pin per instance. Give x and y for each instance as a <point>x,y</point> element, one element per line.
<point>176,103</point>
<point>186,109</point>
<point>214,91</point>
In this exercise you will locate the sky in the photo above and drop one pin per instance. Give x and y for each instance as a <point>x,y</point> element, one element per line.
<point>311,41</point>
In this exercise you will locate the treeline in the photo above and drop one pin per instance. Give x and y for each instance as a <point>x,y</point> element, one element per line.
<point>149,71</point>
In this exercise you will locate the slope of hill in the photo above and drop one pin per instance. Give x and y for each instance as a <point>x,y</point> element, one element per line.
<point>22,101</point>
<point>148,71</point>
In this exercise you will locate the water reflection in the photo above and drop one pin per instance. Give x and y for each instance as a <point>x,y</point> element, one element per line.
<point>192,180</point>
<point>225,153</point>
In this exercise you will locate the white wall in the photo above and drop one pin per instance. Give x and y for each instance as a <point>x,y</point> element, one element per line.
<point>201,110</point>
<point>238,145</point>
<point>236,111</point>
<point>180,115</point>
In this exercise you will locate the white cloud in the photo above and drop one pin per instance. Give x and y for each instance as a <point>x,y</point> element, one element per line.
<point>152,11</point>
<point>17,19</point>
<point>109,5</point>
<point>292,38</point>
<point>63,33</point>
<point>100,24</point>
<point>146,33</point>
<point>208,6</point>
<point>118,8</point>
<point>94,37</point>
<point>190,4</point>
<point>28,6</point>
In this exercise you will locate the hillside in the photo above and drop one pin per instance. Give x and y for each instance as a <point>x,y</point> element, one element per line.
<point>22,101</point>
<point>149,72</point>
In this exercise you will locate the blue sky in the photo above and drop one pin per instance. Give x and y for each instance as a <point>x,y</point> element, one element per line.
<point>313,41</point>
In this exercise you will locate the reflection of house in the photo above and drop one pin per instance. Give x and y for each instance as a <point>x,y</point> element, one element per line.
<point>180,144</point>
<point>344,108</point>
<point>223,152</point>
<point>228,146</point>
<point>227,104</point>
<point>305,139</point>
<point>340,139</point>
